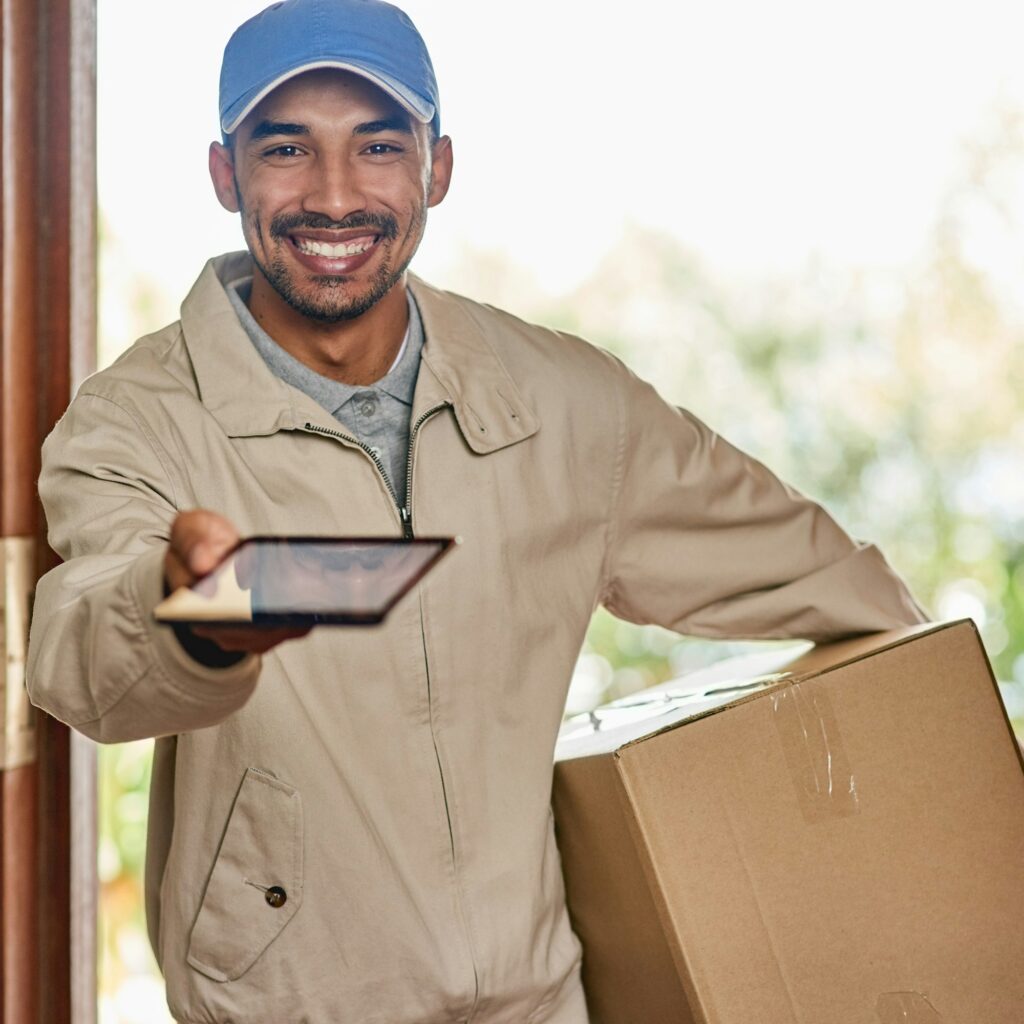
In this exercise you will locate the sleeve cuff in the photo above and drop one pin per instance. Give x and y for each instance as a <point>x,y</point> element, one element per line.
<point>230,685</point>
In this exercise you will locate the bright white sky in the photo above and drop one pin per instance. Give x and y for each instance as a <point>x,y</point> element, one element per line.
<point>758,134</point>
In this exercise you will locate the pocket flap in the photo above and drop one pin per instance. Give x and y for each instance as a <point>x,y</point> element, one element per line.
<point>259,862</point>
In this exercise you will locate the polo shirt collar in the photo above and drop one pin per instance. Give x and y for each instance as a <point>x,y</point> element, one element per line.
<point>399,382</point>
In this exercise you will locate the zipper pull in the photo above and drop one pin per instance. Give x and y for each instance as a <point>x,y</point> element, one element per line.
<point>406,517</point>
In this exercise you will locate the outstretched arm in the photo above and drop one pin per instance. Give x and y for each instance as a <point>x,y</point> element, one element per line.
<point>97,659</point>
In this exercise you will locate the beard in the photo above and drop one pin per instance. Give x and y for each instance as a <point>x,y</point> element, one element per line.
<point>325,298</point>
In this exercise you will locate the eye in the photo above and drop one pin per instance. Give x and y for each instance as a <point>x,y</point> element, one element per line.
<point>382,149</point>
<point>287,151</point>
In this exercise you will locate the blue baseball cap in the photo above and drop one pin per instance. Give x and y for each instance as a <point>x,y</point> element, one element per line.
<point>367,37</point>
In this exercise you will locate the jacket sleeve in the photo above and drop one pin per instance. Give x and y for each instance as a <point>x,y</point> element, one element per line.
<point>98,660</point>
<point>706,540</point>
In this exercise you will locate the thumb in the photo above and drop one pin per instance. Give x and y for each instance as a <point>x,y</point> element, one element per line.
<point>202,539</point>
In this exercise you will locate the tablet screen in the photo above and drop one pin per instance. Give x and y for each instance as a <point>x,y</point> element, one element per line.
<point>285,581</point>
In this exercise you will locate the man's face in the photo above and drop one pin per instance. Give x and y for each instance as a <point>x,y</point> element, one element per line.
<point>333,180</point>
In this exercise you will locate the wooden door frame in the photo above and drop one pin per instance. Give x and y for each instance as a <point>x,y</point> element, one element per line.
<point>48,315</point>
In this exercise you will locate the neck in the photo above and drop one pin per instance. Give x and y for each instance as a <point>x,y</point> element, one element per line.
<point>358,351</point>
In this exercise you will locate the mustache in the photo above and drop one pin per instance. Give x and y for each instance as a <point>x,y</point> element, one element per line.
<point>383,224</point>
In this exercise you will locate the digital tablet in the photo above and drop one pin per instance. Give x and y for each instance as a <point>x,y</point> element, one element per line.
<point>305,581</point>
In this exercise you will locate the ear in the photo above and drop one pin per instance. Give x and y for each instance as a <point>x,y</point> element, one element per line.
<point>222,173</point>
<point>440,170</point>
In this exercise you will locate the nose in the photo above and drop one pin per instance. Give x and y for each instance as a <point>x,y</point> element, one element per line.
<point>334,190</point>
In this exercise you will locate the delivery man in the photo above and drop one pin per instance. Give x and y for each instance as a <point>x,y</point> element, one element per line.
<point>353,826</point>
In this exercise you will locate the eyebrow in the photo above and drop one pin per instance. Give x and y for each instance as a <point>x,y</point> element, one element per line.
<point>385,124</point>
<point>268,129</point>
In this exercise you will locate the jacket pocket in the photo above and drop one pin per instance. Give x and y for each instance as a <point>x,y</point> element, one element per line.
<point>255,887</point>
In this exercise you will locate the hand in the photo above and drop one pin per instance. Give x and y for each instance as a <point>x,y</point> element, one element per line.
<point>199,541</point>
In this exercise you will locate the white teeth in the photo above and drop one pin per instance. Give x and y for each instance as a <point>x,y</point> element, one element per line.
<point>334,252</point>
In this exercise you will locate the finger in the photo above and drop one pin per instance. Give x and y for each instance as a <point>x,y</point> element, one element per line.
<point>200,539</point>
<point>252,640</point>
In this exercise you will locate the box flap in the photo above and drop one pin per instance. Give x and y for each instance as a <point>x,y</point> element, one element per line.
<point>707,691</point>
<point>611,726</point>
<point>825,657</point>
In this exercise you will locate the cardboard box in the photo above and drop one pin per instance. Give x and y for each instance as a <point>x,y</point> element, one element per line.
<point>839,844</point>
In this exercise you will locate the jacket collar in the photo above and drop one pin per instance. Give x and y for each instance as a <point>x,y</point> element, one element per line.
<point>459,366</point>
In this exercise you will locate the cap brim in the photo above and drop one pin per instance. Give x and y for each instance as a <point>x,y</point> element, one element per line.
<point>422,110</point>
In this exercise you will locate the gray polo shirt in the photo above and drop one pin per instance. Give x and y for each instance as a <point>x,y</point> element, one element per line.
<point>376,414</point>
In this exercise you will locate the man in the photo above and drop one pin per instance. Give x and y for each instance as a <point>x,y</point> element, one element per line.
<point>354,826</point>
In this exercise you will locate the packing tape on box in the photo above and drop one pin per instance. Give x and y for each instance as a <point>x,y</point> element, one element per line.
<point>814,751</point>
<point>906,1008</point>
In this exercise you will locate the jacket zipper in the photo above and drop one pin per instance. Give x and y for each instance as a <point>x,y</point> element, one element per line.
<point>404,511</point>
<point>405,514</point>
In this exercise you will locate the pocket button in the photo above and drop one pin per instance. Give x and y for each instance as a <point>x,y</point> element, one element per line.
<point>276,896</point>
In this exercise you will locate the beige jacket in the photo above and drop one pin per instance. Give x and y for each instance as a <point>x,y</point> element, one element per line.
<point>395,781</point>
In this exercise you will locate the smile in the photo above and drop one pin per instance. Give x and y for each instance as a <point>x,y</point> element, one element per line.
<point>353,247</point>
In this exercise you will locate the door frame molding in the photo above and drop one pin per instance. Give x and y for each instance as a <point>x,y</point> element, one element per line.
<point>47,345</point>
